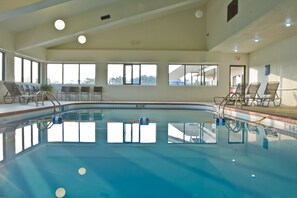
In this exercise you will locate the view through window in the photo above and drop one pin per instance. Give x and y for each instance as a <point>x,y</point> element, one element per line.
<point>1,65</point>
<point>26,70</point>
<point>73,73</point>
<point>132,74</point>
<point>193,75</point>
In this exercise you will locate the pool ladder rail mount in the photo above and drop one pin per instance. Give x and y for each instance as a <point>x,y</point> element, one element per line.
<point>232,97</point>
<point>50,97</point>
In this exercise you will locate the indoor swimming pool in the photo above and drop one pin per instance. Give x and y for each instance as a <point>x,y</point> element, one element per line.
<point>145,153</point>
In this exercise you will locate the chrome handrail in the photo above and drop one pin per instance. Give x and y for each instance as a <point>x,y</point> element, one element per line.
<point>236,97</point>
<point>51,98</point>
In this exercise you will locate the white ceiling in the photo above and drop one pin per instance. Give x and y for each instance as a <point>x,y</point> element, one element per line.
<point>26,16</point>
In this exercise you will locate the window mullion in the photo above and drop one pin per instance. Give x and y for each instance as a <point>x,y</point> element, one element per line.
<point>185,73</point>
<point>31,71</point>
<point>22,70</point>
<point>78,74</point>
<point>63,77</point>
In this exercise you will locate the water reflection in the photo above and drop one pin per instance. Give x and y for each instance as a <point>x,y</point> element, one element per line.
<point>118,132</point>
<point>91,126</point>
<point>72,132</point>
<point>201,133</point>
<point>236,131</point>
<point>172,152</point>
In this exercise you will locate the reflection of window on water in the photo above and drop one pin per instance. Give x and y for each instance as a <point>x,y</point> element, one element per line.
<point>202,133</point>
<point>119,132</point>
<point>72,132</point>
<point>26,137</point>
<point>1,147</point>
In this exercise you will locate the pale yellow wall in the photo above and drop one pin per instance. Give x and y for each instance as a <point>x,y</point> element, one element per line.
<point>283,64</point>
<point>161,92</point>
<point>6,40</point>
<point>38,54</point>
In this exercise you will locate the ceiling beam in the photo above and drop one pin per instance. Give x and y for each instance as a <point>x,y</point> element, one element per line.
<point>13,9</point>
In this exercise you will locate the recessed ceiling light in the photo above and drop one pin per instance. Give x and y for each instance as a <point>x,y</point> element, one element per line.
<point>235,50</point>
<point>59,24</point>
<point>82,39</point>
<point>256,40</point>
<point>288,22</point>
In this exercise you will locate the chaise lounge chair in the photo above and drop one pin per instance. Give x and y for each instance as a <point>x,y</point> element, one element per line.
<point>13,92</point>
<point>252,93</point>
<point>231,97</point>
<point>270,94</point>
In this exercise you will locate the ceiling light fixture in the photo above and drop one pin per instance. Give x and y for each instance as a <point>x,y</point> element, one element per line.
<point>256,40</point>
<point>288,22</point>
<point>198,14</point>
<point>235,50</point>
<point>59,24</point>
<point>82,39</point>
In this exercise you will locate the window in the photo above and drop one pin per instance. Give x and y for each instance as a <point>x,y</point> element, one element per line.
<point>87,73</point>
<point>73,73</point>
<point>26,70</point>
<point>193,75</point>
<point>132,74</point>
<point>1,147</point>
<point>1,66</point>
<point>54,73</point>
<point>18,69</point>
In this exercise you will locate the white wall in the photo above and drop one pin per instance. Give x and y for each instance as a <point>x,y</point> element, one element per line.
<point>282,58</point>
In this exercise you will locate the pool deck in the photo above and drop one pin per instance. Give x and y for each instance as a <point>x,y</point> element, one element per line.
<point>282,113</point>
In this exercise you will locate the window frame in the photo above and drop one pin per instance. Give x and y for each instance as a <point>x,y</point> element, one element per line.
<point>200,79</point>
<point>134,71</point>
<point>31,69</point>
<point>2,66</point>
<point>78,73</point>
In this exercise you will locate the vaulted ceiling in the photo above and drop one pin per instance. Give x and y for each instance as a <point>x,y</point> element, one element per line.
<point>31,23</point>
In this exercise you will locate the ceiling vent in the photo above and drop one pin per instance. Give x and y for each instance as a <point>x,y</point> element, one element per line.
<point>105,17</point>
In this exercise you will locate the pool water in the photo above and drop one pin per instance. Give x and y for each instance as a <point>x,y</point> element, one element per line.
<point>174,153</point>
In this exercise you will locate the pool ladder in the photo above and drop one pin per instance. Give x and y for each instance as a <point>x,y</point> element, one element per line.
<point>50,97</point>
<point>231,97</point>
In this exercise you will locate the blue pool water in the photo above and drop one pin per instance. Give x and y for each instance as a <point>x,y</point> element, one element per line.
<point>176,153</point>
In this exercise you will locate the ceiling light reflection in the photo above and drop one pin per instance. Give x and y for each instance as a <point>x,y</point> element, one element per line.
<point>82,171</point>
<point>60,192</point>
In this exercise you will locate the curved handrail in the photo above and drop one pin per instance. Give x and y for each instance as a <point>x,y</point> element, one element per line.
<point>236,97</point>
<point>50,96</point>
